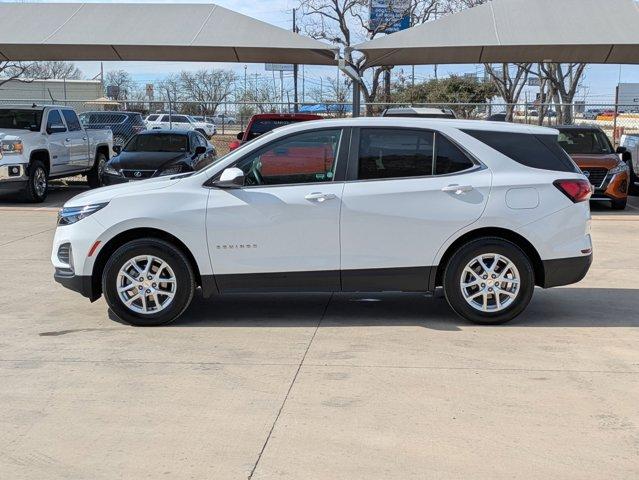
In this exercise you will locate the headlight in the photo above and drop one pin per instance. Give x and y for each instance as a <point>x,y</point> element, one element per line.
<point>620,168</point>
<point>171,170</point>
<point>12,146</point>
<point>71,215</point>
<point>108,169</point>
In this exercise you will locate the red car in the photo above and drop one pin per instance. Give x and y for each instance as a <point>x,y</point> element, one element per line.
<point>265,122</point>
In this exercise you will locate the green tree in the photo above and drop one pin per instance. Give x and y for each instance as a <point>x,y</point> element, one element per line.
<point>466,93</point>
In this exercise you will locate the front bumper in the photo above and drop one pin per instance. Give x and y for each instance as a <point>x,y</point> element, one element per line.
<point>614,187</point>
<point>108,179</point>
<point>565,271</point>
<point>13,178</point>
<point>77,283</point>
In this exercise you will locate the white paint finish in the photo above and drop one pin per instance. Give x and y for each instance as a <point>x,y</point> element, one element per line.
<point>522,198</point>
<point>284,231</point>
<point>402,223</point>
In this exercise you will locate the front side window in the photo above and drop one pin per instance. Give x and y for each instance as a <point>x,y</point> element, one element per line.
<point>158,143</point>
<point>152,118</point>
<point>54,118</point>
<point>395,153</point>
<point>302,158</point>
<point>73,123</point>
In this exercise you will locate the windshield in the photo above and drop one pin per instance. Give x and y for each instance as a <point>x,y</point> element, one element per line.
<point>260,127</point>
<point>164,142</point>
<point>14,118</point>
<point>585,142</point>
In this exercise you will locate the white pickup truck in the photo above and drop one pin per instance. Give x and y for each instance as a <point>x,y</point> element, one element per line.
<point>39,143</point>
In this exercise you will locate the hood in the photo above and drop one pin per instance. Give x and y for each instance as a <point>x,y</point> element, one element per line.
<point>146,160</point>
<point>596,161</point>
<point>15,133</point>
<point>106,194</point>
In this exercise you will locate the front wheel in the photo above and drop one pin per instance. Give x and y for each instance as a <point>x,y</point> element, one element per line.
<point>37,184</point>
<point>148,282</point>
<point>489,281</point>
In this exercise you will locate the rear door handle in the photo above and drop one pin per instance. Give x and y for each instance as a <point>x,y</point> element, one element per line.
<point>320,197</point>
<point>458,189</point>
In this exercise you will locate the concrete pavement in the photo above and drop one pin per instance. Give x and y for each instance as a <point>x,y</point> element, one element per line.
<point>318,386</point>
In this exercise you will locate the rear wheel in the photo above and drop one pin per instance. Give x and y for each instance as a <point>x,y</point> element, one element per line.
<point>489,281</point>
<point>37,184</point>
<point>619,204</point>
<point>94,177</point>
<point>148,282</point>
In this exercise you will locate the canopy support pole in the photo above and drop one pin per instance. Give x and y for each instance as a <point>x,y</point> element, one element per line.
<point>353,74</point>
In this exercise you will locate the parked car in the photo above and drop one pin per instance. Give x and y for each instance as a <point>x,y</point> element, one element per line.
<point>629,147</point>
<point>419,112</point>
<point>592,113</point>
<point>218,119</point>
<point>123,124</point>
<point>156,153</point>
<point>265,122</point>
<point>40,143</point>
<point>497,117</point>
<point>179,122</point>
<point>486,210</point>
<point>591,149</point>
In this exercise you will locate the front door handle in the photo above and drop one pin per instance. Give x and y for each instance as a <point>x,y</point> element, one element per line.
<point>320,197</point>
<point>458,189</point>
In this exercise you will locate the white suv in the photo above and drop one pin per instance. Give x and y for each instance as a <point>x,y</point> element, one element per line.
<point>179,122</point>
<point>486,210</point>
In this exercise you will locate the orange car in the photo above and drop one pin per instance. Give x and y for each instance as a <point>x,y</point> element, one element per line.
<point>591,150</point>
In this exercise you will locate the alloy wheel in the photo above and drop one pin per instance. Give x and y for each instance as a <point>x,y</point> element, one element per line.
<point>146,284</point>
<point>490,282</point>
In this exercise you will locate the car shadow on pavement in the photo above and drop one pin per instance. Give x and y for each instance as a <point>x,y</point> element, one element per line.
<point>59,193</point>
<point>561,307</point>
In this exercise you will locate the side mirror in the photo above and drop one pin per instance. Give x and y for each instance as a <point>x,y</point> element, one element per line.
<point>117,149</point>
<point>240,136</point>
<point>200,150</point>
<point>622,149</point>
<point>56,128</point>
<point>231,178</point>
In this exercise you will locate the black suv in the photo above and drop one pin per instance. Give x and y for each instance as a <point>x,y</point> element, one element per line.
<point>123,124</point>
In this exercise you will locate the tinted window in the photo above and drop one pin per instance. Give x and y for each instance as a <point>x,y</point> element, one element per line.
<point>302,158</point>
<point>152,118</point>
<point>97,118</point>
<point>259,127</point>
<point>537,151</point>
<point>73,123</point>
<point>158,143</point>
<point>54,118</point>
<point>175,119</point>
<point>585,141</point>
<point>21,119</point>
<point>450,159</point>
<point>395,153</point>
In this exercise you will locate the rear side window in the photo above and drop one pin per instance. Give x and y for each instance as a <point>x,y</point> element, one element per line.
<point>450,159</point>
<point>536,151</point>
<point>395,153</point>
<point>73,123</point>
<point>152,118</point>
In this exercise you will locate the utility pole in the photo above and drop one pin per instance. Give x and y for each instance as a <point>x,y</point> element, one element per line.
<point>295,67</point>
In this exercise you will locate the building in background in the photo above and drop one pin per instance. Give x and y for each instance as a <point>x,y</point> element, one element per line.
<point>44,90</point>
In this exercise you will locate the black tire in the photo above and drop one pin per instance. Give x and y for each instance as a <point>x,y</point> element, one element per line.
<point>94,176</point>
<point>453,275</point>
<point>619,204</point>
<point>633,189</point>
<point>167,252</point>
<point>36,191</point>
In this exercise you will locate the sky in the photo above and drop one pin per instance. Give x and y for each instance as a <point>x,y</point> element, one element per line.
<point>598,84</point>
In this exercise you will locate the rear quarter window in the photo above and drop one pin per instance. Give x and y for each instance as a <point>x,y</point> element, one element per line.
<point>536,151</point>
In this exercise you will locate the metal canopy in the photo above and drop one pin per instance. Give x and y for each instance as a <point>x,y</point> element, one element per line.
<point>590,31</point>
<point>156,32</point>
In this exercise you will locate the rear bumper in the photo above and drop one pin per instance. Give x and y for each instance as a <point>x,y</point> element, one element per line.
<point>565,271</point>
<point>78,283</point>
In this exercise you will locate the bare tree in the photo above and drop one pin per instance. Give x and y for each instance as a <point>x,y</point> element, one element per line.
<point>335,96</point>
<point>122,80</point>
<point>209,88</point>
<point>509,80</point>
<point>345,23</point>
<point>564,81</point>
<point>55,70</point>
<point>12,71</point>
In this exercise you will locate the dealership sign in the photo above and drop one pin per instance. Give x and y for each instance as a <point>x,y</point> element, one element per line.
<point>279,67</point>
<point>390,15</point>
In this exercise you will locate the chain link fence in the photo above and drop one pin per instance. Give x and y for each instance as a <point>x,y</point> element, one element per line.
<point>128,117</point>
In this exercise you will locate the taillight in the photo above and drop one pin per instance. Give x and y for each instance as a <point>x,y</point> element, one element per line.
<point>577,190</point>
